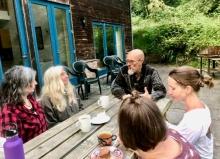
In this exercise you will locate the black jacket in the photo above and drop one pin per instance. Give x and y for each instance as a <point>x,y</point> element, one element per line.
<point>125,84</point>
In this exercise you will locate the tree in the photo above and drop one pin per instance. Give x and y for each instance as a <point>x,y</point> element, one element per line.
<point>139,8</point>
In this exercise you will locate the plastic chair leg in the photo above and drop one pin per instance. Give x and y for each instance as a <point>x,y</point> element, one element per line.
<point>107,78</point>
<point>100,89</point>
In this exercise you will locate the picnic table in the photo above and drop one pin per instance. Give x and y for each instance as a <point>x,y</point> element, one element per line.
<point>66,140</point>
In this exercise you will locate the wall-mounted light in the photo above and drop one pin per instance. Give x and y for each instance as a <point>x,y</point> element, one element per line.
<point>83,21</point>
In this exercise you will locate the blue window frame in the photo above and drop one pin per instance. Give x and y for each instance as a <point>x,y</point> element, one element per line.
<point>22,36</point>
<point>108,40</point>
<point>55,45</point>
<point>48,40</point>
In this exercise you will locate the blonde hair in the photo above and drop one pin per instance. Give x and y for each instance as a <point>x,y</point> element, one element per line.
<point>55,89</point>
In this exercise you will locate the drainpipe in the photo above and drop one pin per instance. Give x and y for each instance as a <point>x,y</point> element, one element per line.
<point>132,44</point>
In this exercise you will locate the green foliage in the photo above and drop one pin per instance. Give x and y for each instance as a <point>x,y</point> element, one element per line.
<point>139,8</point>
<point>173,3</point>
<point>178,33</point>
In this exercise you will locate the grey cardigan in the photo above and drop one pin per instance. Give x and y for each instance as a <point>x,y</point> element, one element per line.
<point>53,115</point>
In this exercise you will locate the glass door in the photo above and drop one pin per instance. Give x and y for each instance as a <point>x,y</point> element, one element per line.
<point>108,40</point>
<point>13,42</point>
<point>119,42</point>
<point>44,55</point>
<point>98,41</point>
<point>52,35</point>
<point>63,37</point>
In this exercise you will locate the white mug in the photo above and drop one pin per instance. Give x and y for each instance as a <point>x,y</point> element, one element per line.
<point>85,123</point>
<point>104,101</point>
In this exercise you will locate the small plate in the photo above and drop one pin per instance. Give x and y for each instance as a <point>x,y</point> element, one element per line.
<point>100,119</point>
<point>112,152</point>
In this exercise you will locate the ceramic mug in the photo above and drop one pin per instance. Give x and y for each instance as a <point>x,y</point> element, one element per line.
<point>103,101</point>
<point>105,138</point>
<point>85,123</point>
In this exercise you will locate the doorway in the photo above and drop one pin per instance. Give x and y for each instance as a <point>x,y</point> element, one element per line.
<point>12,51</point>
<point>52,35</point>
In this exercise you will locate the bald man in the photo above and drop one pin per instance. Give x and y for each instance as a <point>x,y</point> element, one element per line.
<point>136,75</point>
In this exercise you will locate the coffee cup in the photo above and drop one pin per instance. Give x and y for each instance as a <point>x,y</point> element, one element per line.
<point>103,101</point>
<point>85,123</point>
<point>105,138</point>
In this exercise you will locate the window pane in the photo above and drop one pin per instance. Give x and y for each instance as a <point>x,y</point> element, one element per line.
<point>110,40</point>
<point>43,35</point>
<point>119,42</point>
<point>98,41</point>
<point>10,50</point>
<point>62,37</point>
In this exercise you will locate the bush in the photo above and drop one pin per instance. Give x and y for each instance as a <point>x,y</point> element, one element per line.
<point>179,32</point>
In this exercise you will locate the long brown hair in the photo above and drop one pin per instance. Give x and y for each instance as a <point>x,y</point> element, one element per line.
<point>189,76</point>
<point>141,124</point>
<point>16,79</point>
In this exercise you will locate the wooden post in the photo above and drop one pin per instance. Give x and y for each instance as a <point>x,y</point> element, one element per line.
<point>208,70</point>
<point>200,64</point>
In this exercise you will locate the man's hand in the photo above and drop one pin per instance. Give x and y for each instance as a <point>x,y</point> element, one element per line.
<point>146,93</point>
<point>126,96</point>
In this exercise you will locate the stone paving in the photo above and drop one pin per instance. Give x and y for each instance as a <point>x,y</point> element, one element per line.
<point>210,96</point>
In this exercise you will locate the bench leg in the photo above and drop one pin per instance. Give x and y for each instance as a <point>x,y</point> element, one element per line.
<point>200,65</point>
<point>208,70</point>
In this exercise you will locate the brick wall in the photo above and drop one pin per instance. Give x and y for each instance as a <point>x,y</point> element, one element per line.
<point>110,11</point>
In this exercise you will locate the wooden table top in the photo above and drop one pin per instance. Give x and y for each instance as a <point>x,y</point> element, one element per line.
<point>65,140</point>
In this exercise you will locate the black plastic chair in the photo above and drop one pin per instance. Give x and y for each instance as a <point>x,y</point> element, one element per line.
<point>119,61</point>
<point>113,64</point>
<point>79,68</point>
<point>79,85</point>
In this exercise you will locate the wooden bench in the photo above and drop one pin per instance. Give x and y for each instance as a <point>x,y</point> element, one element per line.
<point>211,54</point>
<point>210,59</point>
<point>65,140</point>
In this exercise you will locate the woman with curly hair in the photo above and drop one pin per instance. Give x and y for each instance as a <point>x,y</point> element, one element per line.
<point>142,128</point>
<point>59,98</point>
<point>18,104</point>
<point>184,84</point>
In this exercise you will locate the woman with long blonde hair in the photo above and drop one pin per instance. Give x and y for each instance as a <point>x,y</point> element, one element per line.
<point>58,98</point>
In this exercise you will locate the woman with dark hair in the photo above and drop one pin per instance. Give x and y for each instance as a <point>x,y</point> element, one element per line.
<point>183,86</point>
<point>17,104</point>
<point>142,128</point>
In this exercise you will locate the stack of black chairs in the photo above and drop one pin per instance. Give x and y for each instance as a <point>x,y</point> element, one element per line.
<point>79,68</point>
<point>113,64</point>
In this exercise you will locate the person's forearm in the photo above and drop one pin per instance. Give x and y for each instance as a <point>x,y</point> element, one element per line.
<point>156,95</point>
<point>118,92</point>
<point>116,88</point>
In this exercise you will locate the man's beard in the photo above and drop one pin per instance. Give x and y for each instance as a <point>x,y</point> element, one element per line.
<point>130,72</point>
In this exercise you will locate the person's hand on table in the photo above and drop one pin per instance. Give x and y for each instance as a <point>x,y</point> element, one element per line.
<point>146,93</point>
